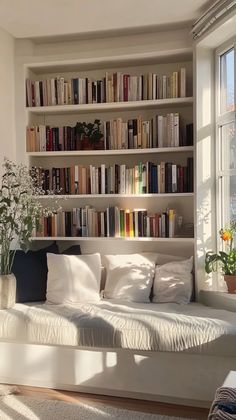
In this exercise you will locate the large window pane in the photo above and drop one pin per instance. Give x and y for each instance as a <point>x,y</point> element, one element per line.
<point>228,198</point>
<point>227,81</point>
<point>228,146</point>
<point>232,197</point>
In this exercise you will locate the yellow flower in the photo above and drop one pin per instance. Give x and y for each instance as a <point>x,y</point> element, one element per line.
<point>225,235</point>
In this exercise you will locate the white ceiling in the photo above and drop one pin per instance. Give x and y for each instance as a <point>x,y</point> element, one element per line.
<point>43,18</point>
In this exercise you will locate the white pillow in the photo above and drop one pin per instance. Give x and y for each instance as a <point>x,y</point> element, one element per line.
<point>73,278</point>
<point>129,277</point>
<point>166,258</point>
<point>173,282</point>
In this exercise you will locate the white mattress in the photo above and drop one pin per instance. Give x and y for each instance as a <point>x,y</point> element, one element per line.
<point>110,324</point>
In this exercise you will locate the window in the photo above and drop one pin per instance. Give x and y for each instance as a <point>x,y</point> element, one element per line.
<point>227,81</point>
<point>225,135</point>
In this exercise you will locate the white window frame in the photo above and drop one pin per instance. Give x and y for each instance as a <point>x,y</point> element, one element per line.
<point>222,119</point>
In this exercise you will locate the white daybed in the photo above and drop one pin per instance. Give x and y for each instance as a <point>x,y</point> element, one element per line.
<point>165,352</point>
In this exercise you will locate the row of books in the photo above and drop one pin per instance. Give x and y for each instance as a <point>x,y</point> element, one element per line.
<point>160,131</point>
<point>143,178</point>
<point>112,222</point>
<point>116,87</point>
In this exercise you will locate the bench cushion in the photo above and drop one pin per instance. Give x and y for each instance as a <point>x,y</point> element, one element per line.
<point>192,328</point>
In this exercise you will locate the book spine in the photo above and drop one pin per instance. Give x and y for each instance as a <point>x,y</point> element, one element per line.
<point>171,215</point>
<point>149,88</point>
<point>168,180</point>
<point>37,94</point>
<point>190,174</point>
<point>126,87</point>
<point>144,179</point>
<point>163,225</point>
<point>183,82</point>
<point>127,223</point>
<point>53,92</point>
<point>160,131</point>
<point>164,87</point>
<point>174,179</point>
<point>75,98</point>
<point>162,177</point>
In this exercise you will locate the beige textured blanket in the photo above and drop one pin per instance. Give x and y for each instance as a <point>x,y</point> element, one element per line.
<point>116,324</point>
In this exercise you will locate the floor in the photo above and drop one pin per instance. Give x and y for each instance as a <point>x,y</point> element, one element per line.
<point>127,403</point>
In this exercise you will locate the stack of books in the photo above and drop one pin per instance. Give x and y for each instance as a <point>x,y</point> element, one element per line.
<point>160,131</point>
<point>143,178</point>
<point>116,87</point>
<point>112,222</point>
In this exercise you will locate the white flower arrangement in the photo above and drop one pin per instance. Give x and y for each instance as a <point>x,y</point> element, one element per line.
<point>20,210</point>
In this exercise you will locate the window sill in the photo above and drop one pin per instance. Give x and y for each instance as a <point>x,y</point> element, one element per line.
<point>219,300</point>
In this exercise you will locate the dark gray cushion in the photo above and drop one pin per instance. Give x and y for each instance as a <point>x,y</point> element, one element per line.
<point>72,250</point>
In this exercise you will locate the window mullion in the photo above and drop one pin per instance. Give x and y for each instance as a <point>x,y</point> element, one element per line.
<point>218,179</point>
<point>234,74</point>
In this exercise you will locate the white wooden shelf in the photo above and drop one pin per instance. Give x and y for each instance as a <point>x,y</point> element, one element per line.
<point>91,196</point>
<point>155,150</point>
<point>112,61</point>
<point>110,106</point>
<point>77,238</point>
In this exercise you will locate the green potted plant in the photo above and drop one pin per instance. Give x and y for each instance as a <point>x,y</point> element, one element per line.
<point>225,260</point>
<point>20,212</point>
<point>89,135</point>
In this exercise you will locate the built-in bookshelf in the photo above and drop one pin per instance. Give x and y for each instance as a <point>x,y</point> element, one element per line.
<point>156,94</point>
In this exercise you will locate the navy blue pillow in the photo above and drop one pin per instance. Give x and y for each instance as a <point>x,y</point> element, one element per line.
<point>73,250</point>
<point>31,271</point>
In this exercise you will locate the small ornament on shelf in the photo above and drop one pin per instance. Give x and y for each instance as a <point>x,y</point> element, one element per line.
<point>184,229</point>
<point>89,135</point>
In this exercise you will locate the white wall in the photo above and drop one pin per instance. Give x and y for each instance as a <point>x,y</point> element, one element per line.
<point>7,96</point>
<point>28,19</point>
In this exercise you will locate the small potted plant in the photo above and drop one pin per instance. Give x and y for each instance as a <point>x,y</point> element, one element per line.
<point>89,135</point>
<point>225,260</point>
<point>20,212</point>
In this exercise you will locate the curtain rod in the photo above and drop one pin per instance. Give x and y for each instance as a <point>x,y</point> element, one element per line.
<point>211,16</point>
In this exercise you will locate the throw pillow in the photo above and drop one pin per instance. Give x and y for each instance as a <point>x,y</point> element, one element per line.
<point>72,250</point>
<point>30,269</point>
<point>129,277</point>
<point>166,258</point>
<point>73,278</point>
<point>173,282</point>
